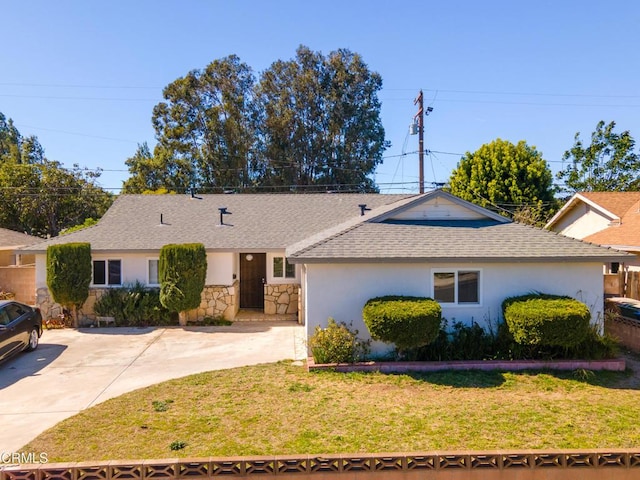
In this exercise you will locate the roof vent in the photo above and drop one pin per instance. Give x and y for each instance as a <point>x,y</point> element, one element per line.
<point>161,220</point>
<point>363,208</point>
<point>223,212</point>
<point>194,196</point>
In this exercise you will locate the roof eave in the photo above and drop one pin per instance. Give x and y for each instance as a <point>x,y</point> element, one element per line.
<point>551,259</point>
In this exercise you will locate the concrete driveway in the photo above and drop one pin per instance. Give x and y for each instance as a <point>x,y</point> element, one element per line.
<point>75,369</point>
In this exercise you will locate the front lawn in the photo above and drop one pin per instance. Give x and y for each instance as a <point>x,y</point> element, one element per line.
<point>281,409</point>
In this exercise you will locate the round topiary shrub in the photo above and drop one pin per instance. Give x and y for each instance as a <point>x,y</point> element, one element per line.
<point>408,322</point>
<point>549,320</point>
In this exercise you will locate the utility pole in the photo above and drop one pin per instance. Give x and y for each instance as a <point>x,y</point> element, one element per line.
<point>420,117</point>
<point>418,127</point>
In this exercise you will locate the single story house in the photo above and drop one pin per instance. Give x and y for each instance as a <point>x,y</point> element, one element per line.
<point>325,255</point>
<point>245,237</point>
<point>611,219</point>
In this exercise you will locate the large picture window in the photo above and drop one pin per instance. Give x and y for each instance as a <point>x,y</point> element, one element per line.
<point>107,272</point>
<point>282,268</point>
<point>456,286</point>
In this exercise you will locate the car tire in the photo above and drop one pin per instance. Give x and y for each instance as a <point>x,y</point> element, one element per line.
<point>33,340</point>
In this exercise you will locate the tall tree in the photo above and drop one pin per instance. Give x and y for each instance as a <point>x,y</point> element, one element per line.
<point>607,164</point>
<point>204,125</point>
<point>160,170</point>
<point>310,121</point>
<point>320,121</point>
<point>39,196</point>
<point>511,177</point>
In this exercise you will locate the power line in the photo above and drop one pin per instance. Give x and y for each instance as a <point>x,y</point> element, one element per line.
<point>52,97</point>
<point>60,85</point>
<point>75,133</point>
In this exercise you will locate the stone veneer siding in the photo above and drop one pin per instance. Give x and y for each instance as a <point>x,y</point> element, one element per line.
<point>281,298</point>
<point>217,301</point>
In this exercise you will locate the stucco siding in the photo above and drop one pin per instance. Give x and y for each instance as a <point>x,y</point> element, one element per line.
<point>581,221</point>
<point>340,291</point>
<point>220,267</point>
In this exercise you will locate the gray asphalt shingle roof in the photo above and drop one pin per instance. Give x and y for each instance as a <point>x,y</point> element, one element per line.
<point>11,238</point>
<point>451,241</point>
<point>322,228</point>
<point>257,221</point>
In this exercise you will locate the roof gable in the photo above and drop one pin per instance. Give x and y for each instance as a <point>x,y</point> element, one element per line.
<point>440,227</point>
<point>605,218</point>
<point>440,205</point>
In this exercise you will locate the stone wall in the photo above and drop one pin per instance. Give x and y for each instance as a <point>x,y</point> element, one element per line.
<point>45,303</point>
<point>217,301</point>
<point>281,298</point>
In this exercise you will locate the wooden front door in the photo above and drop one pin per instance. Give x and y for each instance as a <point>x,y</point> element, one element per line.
<point>253,275</point>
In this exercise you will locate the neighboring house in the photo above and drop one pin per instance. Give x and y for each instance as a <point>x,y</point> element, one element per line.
<point>610,219</point>
<point>436,245</point>
<point>338,251</point>
<point>17,271</point>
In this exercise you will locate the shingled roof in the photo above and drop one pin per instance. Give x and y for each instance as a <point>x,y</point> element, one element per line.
<point>13,239</point>
<point>257,221</point>
<point>381,238</point>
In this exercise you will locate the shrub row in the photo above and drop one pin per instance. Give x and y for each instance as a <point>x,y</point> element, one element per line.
<point>133,305</point>
<point>536,326</point>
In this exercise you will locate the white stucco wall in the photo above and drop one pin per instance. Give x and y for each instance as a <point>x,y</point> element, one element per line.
<point>341,290</point>
<point>220,267</point>
<point>581,221</point>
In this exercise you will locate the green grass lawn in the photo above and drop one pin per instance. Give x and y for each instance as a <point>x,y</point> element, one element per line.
<point>281,409</point>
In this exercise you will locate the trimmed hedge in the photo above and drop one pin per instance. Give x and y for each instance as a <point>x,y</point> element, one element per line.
<point>408,322</point>
<point>548,320</point>
<point>69,273</point>
<point>182,269</point>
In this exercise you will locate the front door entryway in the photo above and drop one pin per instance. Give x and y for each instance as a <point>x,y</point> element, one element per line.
<point>253,275</point>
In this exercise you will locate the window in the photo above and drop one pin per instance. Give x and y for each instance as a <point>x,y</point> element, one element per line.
<point>107,272</point>
<point>152,268</point>
<point>457,286</point>
<point>282,268</point>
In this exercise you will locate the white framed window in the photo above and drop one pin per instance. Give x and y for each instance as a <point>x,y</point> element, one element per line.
<point>282,268</point>
<point>459,286</point>
<point>107,272</point>
<point>153,275</point>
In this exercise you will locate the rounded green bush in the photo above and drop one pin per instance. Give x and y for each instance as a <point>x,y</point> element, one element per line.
<point>549,320</point>
<point>408,322</point>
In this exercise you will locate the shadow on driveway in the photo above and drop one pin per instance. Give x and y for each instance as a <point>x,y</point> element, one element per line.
<point>237,327</point>
<point>28,364</point>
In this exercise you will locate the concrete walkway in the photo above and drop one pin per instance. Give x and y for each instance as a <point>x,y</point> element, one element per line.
<point>75,369</point>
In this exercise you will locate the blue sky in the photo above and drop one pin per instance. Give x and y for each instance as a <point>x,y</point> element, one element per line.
<point>84,75</point>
